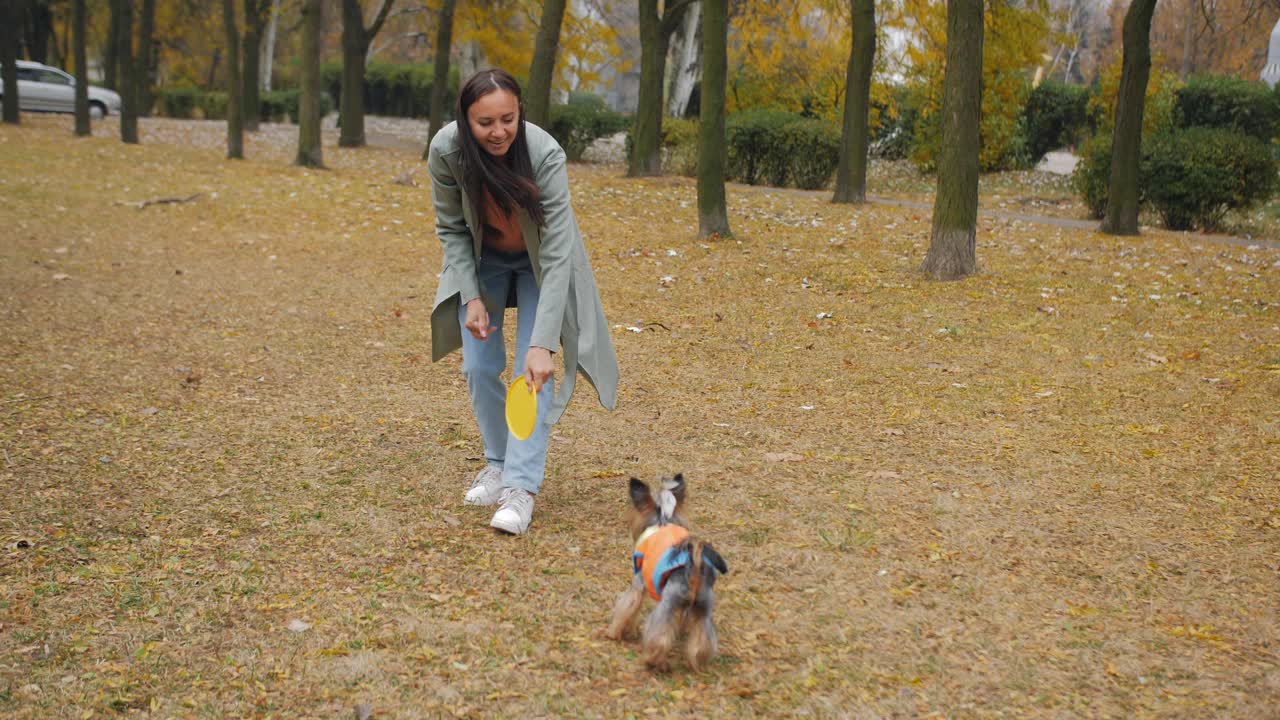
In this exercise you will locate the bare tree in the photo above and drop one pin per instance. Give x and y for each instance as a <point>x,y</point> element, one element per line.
<point>440,71</point>
<point>235,116</point>
<point>355,47</point>
<point>1126,146</point>
<point>145,64</point>
<point>9,59</point>
<point>78,22</point>
<point>537,102</point>
<point>122,10</point>
<point>269,53</point>
<point>851,173</point>
<point>655,36</point>
<point>953,243</point>
<point>685,65</point>
<point>255,23</point>
<point>713,218</point>
<point>309,146</point>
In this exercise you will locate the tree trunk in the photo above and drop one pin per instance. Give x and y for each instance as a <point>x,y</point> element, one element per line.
<point>646,134</point>
<point>1126,148</point>
<point>686,61</point>
<point>235,114</point>
<point>111,63</point>
<point>145,65</point>
<point>355,46</point>
<point>953,244</point>
<point>351,102</point>
<point>8,58</point>
<point>269,54</point>
<point>309,147</point>
<point>39,30</point>
<point>851,173</point>
<point>128,78</point>
<point>537,101</point>
<point>712,216</point>
<point>1188,40</point>
<point>440,72</point>
<point>79,21</point>
<point>255,19</point>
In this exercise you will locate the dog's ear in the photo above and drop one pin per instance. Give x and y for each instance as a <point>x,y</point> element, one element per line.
<point>710,555</point>
<point>676,486</point>
<point>640,496</point>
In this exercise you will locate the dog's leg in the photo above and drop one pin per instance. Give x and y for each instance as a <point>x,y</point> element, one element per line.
<point>700,632</point>
<point>661,626</point>
<point>626,611</point>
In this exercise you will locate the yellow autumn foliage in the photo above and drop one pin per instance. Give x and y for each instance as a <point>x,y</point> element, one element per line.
<point>1015,36</point>
<point>792,55</point>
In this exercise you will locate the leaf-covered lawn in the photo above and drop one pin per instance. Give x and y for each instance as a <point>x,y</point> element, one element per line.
<point>233,478</point>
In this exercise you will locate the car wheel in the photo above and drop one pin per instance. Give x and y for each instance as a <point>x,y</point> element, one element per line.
<point>97,111</point>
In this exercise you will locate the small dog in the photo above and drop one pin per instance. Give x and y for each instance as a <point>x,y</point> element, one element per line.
<point>675,569</point>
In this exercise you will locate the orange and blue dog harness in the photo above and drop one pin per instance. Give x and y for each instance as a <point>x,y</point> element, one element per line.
<point>660,552</point>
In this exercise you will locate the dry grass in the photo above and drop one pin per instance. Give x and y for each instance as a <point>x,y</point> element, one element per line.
<point>233,478</point>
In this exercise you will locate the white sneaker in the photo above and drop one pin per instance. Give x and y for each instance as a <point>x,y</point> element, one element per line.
<point>486,488</point>
<point>515,512</point>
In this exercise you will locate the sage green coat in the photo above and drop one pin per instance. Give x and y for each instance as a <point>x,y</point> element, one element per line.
<point>570,315</point>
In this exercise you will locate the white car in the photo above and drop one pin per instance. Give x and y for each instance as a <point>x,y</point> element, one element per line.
<point>48,89</point>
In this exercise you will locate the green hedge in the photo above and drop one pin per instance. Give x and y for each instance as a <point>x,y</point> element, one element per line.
<point>813,148</point>
<point>178,102</point>
<point>1190,176</point>
<point>781,148</point>
<point>680,146</point>
<point>1092,176</point>
<point>1193,176</point>
<point>754,154</point>
<point>1056,115</point>
<point>275,106</point>
<point>581,121</point>
<point>393,89</point>
<point>1247,106</point>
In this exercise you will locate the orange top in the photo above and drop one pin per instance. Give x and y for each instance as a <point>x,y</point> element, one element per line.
<point>501,230</point>
<point>655,556</point>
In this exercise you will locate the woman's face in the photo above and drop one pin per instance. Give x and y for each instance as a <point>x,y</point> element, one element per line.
<point>494,119</point>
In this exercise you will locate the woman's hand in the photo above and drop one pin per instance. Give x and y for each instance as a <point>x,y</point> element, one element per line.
<point>538,367</point>
<point>477,322</point>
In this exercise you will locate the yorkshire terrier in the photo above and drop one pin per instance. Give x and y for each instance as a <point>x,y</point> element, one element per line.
<point>675,569</point>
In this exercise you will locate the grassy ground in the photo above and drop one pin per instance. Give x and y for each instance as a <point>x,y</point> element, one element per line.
<point>233,476</point>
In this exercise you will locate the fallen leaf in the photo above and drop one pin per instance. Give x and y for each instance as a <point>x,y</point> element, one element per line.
<point>783,457</point>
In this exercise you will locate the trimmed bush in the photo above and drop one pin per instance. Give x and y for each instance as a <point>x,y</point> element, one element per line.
<point>680,146</point>
<point>1092,176</point>
<point>1195,175</point>
<point>400,90</point>
<point>280,105</point>
<point>178,102</point>
<point>213,105</point>
<point>1056,115</point>
<point>755,151</point>
<point>1247,106</point>
<point>813,147</point>
<point>581,121</point>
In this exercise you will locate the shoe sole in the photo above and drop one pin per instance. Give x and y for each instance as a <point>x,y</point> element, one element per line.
<point>466,501</point>
<point>508,530</point>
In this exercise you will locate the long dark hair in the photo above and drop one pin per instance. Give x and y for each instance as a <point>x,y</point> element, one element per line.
<point>509,179</point>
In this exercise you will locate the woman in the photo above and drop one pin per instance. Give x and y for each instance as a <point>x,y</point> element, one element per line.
<point>510,239</point>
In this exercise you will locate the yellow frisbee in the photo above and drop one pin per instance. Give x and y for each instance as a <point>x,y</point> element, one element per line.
<point>522,409</point>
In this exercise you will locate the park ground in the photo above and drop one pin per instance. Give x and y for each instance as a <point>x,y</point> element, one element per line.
<point>232,476</point>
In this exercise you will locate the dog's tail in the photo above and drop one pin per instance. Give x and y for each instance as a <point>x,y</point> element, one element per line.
<point>704,563</point>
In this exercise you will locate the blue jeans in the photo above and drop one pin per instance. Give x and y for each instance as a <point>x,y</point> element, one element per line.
<point>523,462</point>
